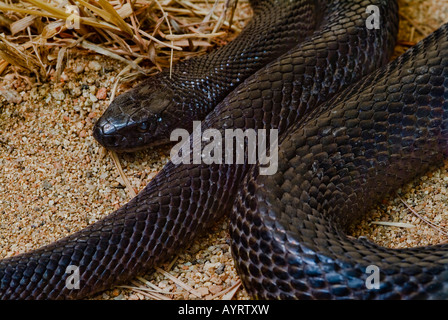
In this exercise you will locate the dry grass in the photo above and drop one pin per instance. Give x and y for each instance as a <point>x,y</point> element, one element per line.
<point>37,35</point>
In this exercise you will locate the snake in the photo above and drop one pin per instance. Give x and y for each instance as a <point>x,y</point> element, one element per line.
<point>351,126</point>
<point>289,229</point>
<point>146,115</point>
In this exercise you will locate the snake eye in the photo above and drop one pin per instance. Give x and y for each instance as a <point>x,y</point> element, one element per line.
<point>143,127</point>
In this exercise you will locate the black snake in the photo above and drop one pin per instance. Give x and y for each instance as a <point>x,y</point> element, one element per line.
<point>345,141</point>
<point>147,114</point>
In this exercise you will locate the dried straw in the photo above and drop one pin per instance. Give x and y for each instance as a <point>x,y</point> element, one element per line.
<point>157,32</point>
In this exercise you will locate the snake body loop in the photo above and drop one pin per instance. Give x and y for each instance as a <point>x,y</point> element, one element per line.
<point>287,228</point>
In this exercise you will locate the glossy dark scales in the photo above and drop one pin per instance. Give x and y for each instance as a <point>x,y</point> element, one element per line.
<point>345,141</point>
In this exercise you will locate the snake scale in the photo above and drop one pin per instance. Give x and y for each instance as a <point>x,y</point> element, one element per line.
<point>348,135</point>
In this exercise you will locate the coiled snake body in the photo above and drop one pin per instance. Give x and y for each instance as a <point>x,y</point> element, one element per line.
<point>337,155</point>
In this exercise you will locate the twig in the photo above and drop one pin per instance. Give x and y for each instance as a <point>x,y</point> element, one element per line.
<point>228,293</point>
<point>179,283</point>
<point>394,224</point>
<point>176,37</point>
<point>114,157</point>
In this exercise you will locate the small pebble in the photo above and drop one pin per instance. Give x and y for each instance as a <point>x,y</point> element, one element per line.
<point>79,68</point>
<point>203,291</point>
<point>94,65</point>
<point>101,94</point>
<point>59,95</point>
<point>10,95</point>
<point>46,185</point>
<point>93,98</point>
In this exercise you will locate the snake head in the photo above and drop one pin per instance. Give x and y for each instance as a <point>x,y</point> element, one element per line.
<point>136,119</point>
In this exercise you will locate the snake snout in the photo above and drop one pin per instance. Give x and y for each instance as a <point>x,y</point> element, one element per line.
<point>106,134</point>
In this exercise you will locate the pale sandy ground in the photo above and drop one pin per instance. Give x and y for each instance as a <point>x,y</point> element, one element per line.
<point>55,179</point>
